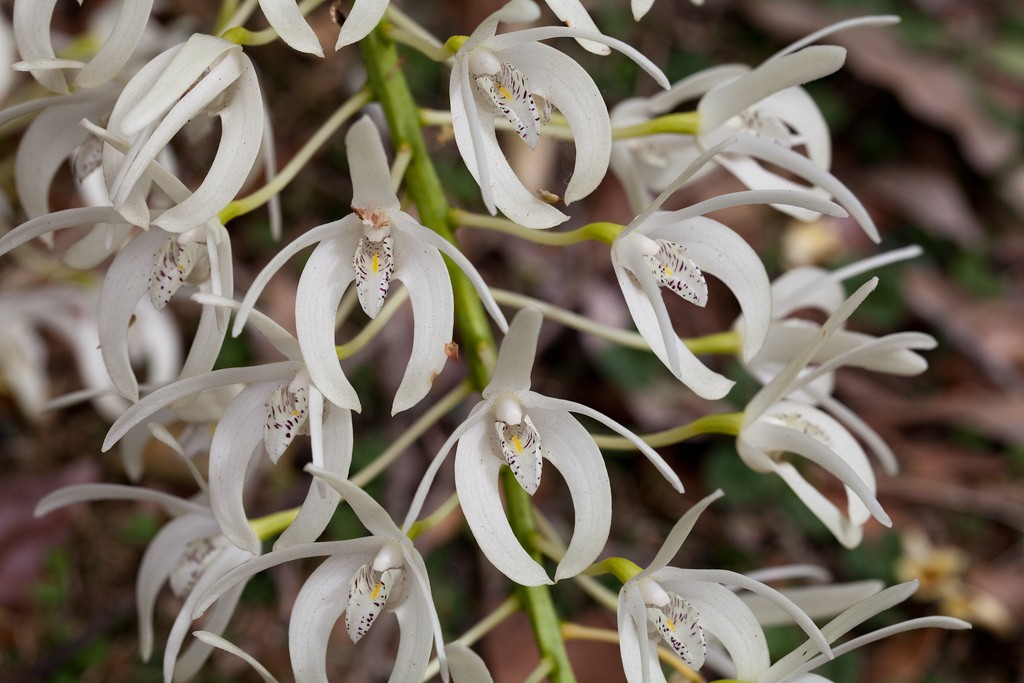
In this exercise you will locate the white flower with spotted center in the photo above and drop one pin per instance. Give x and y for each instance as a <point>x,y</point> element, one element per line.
<point>373,246</point>
<point>509,427</point>
<point>516,77</point>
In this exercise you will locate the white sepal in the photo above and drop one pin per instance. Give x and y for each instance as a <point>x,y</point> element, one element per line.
<point>284,16</point>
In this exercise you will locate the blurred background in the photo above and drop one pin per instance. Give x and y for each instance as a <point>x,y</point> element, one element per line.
<point>927,119</point>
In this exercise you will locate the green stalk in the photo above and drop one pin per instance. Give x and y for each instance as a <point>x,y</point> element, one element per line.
<point>390,88</point>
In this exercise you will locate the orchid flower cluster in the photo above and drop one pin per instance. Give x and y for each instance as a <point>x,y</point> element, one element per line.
<point>141,233</point>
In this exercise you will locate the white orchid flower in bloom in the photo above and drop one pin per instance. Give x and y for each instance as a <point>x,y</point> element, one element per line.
<point>189,553</point>
<point>687,609</point>
<point>764,109</point>
<point>520,428</point>
<point>383,572</point>
<point>796,666</point>
<point>378,242</point>
<point>278,404</point>
<point>672,249</point>
<point>777,422</point>
<point>518,78</point>
<point>205,74</point>
<point>818,289</point>
<point>32,20</point>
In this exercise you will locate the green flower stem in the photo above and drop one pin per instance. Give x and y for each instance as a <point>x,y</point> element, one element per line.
<point>436,517</point>
<point>599,232</point>
<point>299,161</point>
<point>722,423</point>
<point>243,36</point>
<point>403,157</point>
<point>620,567</point>
<point>536,599</point>
<point>273,524</point>
<point>390,88</point>
<point>546,666</point>
<point>681,123</point>
<point>370,331</point>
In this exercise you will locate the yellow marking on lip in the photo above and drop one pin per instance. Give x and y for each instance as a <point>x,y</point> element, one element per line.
<point>376,262</point>
<point>671,624</point>
<point>518,444</point>
<point>504,91</point>
<point>668,271</point>
<point>376,591</point>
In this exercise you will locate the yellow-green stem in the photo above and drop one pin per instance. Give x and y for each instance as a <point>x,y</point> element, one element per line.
<point>620,567</point>
<point>722,423</point>
<point>273,524</point>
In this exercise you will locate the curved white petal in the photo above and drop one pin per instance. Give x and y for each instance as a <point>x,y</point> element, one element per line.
<point>375,518</point>
<point>219,642</point>
<point>241,135</point>
<point>278,337</point>
<point>677,536</point>
<point>195,655</point>
<point>567,85</point>
<point>161,559</point>
<point>723,102</point>
<point>165,396</point>
<point>58,220</point>
<point>287,20</point>
<point>638,651</point>
<point>477,464</point>
<point>422,270</point>
<point>407,224</point>
<point>362,550</point>
<point>127,31</point>
<point>83,493</point>
<point>640,8</point>
<point>862,430</point>
<point>325,278</point>
<point>368,166</point>
<point>317,607</point>
<point>876,20</point>
<point>465,665</point>
<point>468,125</point>
<point>31,24</point>
<point>817,602</point>
<point>237,440</point>
<point>571,450</point>
<point>322,501</point>
<point>643,298</point>
<point>213,320</point>
<point>347,225</point>
<point>361,19</point>
<point>864,353</point>
<point>516,355</point>
<point>573,14</point>
<point>718,250</point>
<point>799,112</point>
<point>416,619</point>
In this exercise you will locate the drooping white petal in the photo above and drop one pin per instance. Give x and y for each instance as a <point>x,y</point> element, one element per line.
<point>676,537</point>
<point>876,20</point>
<point>165,396</point>
<point>476,480</point>
<point>817,602</point>
<point>640,8</point>
<point>237,440</point>
<point>516,355</point>
<point>219,642</point>
<point>361,19</point>
<point>83,493</point>
<point>375,518</point>
<point>421,269</point>
<point>862,430</point>
<point>567,85</point>
<point>421,618</point>
<point>127,31</point>
<point>639,653</point>
<point>31,24</point>
<point>573,14</point>
<point>324,279</point>
<point>465,665</point>
<point>284,16</point>
<point>57,220</point>
<point>280,338</point>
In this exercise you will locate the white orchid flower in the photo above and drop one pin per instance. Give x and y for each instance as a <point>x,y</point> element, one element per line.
<point>776,422</point>
<point>32,20</point>
<point>686,609</point>
<point>516,77</point>
<point>189,553</point>
<point>205,74</point>
<point>375,244</point>
<point>278,404</point>
<point>383,572</point>
<point>797,665</point>
<point>764,109</point>
<point>818,289</point>
<point>520,428</point>
<point>672,249</point>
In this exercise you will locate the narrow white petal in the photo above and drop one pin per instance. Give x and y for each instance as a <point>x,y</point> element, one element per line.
<point>325,278</point>
<point>876,20</point>
<point>375,518</point>
<point>859,427</point>
<point>516,355</point>
<point>421,587</point>
<point>361,19</point>
<point>640,8</point>
<point>675,539</point>
<point>217,641</point>
<point>568,86</point>
<point>237,440</point>
<point>573,14</point>
<point>58,220</point>
<point>422,270</point>
<point>84,493</point>
<point>798,111</point>
<point>284,16</point>
<point>348,225</point>
<point>638,651</point>
<point>165,396</point>
<point>726,101</point>
<point>476,480</point>
<point>467,126</point>
<point>280,338</point>
<point>663,467</point>
<point>571,450</point>
<point>862,354</point>
<point>197,652</point>
<point>241,135</point>
<point>127,31</point>
<point>817,602</point>
<point>417,631</point>
<point>407,224</point>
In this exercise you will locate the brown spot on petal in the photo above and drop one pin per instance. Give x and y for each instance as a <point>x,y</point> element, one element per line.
<point>451,349</point>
